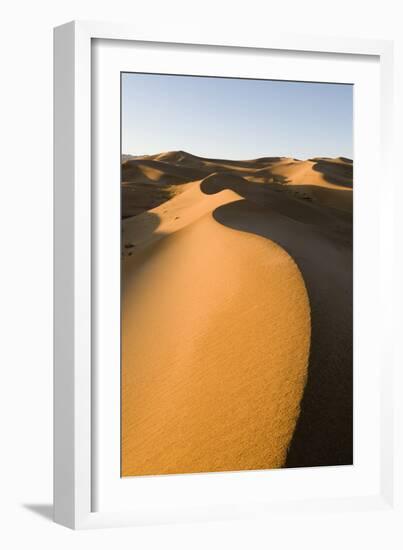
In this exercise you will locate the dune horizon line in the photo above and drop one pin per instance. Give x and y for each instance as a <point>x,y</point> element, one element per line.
<point>243,158</point>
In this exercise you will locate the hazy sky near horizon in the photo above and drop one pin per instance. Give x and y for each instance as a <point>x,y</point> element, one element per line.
<point>235,118</point>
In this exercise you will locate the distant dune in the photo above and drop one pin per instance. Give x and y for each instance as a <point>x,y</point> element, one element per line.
<point>151,180</point>
<point>236,313</point>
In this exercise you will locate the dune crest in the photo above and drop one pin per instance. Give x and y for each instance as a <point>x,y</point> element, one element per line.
<point>215,344</point>
<point>174,214</point>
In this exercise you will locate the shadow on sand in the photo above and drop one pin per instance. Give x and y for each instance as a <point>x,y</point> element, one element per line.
<point>337,173</point>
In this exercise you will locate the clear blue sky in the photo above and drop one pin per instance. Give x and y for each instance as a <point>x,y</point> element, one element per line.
<point>235,118</point>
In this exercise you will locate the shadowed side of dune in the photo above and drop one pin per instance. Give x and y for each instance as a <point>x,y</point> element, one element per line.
<point>338,172</point>
<point>140,197</point>
<point>137,229</point>
<point>325,196</point>
<point>312,203</point>
<point>147,183</point>
<point>156,170</point>
<point>324,432</point>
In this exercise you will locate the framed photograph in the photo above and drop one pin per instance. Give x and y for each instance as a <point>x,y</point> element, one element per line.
<point>221,258</point>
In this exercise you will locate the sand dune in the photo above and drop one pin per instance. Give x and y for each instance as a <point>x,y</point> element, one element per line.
<point>237,316</point>
<point>216,390</point>
<point>149,181</point>
<point>173,215</point>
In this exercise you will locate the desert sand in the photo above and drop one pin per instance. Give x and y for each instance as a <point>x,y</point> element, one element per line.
<point>236,313</point>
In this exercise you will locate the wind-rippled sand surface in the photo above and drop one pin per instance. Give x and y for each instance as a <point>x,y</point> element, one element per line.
<point>223,294</point>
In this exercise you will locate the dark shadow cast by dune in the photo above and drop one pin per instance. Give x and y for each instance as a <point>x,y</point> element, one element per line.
<point>147,183</point>
<point>326,197</point>
<point>346,160</point>
<point>324,431</point>
<point>138,229</point>
<point>140,197</point>
<point>309,204</point>
<point>335,172</point>
<point>255,192</point>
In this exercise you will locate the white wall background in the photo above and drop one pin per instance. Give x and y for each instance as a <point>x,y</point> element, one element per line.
<point>26,270</point>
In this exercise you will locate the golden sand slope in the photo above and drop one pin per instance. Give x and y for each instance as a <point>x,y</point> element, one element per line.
<point>174,214</point>
<point>215,342</point>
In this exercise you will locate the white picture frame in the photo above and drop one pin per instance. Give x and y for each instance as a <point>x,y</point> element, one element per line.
<point>77,393</point>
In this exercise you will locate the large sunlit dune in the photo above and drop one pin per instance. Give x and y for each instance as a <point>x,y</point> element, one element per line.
<point>236,313</point>
<point>216,334</point>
